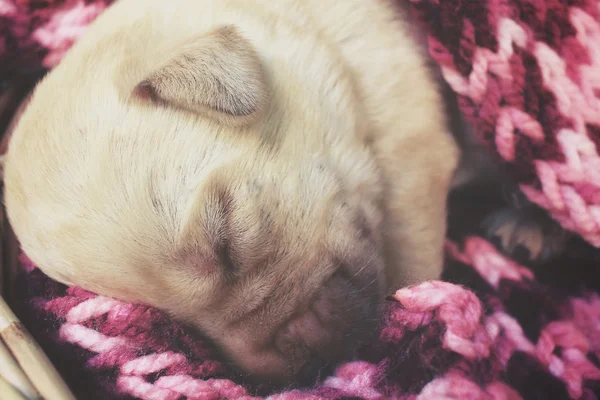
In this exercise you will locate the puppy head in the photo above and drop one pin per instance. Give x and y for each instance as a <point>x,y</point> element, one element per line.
<point>188,180</point>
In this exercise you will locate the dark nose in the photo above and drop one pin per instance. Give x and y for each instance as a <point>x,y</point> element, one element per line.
<point>313,371</point>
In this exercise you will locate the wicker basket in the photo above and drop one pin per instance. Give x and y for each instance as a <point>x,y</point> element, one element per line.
<point>25,370</point>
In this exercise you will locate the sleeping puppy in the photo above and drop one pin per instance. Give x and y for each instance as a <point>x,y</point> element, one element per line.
<point>264,171</point>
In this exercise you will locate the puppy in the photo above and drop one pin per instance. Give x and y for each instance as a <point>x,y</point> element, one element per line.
<point>264,171</point>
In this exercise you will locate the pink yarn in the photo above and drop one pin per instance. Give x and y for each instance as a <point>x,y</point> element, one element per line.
<point>91,308</point>
<point>90,339</point>
<point>571,76</point>
<point>64,27</point>
<point>356,379</point>
<point>488,261</point>
<point>152,363</point>
<point>456,386</point>
<point>458,308</point>
<point>586,317</point>
<point>139,388</point>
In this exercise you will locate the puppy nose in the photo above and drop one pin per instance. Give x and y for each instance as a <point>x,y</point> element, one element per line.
<point>313,371</point>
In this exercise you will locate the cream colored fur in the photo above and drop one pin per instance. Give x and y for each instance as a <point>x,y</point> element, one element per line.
<point>229,160</point>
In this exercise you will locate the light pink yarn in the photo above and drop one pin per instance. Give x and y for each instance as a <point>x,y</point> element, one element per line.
<point>65,26</point>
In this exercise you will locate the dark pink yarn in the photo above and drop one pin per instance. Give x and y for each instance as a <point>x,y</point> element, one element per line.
<point>526,73</point>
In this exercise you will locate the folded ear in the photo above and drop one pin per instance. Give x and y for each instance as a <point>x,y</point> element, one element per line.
<point>205,232</point>
<point>218,75</point>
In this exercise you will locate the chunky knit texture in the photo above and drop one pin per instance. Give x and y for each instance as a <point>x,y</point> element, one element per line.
<point>528,77</point>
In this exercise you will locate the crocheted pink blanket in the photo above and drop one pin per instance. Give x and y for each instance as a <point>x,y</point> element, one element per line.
<point>527,73</point>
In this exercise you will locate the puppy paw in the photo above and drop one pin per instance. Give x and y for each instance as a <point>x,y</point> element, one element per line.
<point>527,234</point>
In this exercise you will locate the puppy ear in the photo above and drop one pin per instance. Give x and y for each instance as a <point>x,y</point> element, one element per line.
<point>218,75</point>
<point>205,227</point>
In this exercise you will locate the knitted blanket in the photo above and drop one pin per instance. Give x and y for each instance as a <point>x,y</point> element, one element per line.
<point>527,74</point>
